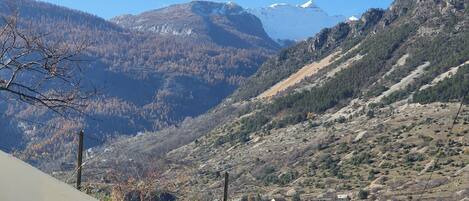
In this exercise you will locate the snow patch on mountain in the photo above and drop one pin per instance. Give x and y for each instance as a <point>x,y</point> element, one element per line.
<point>353,18</point>
<point>309,4</point>
<point>276,5</point>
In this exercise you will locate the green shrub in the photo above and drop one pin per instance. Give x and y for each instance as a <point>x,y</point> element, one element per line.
<point>414,157</point>
<point>363,194</point>
<point>296,197</point>
<point>361,158</point>
<point>370,114</point>
<point>287,177</point>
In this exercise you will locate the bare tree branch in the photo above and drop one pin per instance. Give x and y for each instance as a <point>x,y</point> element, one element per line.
<point>39,72</point>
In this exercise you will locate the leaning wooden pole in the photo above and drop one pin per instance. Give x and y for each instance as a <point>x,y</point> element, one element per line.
<point>225,191</point>
<point>79,159</point>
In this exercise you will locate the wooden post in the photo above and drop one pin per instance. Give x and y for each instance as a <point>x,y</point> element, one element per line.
<point>225,191</point>
<point>80,159</point>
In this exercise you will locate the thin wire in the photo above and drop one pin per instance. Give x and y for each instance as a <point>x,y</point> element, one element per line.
<point>439,148</point>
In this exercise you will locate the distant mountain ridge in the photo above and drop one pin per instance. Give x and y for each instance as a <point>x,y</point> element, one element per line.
<point>200,19</point>
<point>294,22</point>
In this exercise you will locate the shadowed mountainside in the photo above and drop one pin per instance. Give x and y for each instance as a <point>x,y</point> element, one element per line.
<point>146,80</point>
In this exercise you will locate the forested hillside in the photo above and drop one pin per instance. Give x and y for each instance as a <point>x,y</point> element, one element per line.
<point>380,120</point>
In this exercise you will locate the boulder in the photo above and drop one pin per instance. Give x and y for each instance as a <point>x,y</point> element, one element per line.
<point>292,192</point>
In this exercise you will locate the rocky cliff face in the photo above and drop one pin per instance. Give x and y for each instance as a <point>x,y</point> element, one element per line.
<point>308,51</point>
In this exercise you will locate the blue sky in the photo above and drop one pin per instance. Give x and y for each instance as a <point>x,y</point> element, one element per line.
<point>110,8</point>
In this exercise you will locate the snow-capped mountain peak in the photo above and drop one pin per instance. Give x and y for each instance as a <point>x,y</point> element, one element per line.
<point>353,18</point>
<point>309,4</point>
<point>294,22</point>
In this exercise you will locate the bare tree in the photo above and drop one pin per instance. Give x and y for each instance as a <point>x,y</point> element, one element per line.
<point>39,72</point>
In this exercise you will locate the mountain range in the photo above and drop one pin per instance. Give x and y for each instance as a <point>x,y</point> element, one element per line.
<point>370,108</point>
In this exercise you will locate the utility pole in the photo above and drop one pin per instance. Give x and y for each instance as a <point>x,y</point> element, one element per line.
<point>225,191</point>
<point>80,159</point>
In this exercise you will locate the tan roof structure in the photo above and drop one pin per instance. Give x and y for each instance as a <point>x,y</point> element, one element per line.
<point>20,181</point>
